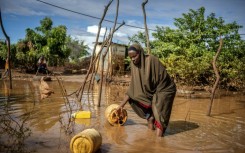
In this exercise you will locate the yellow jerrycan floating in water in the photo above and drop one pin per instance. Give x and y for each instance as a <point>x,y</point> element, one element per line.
<point>81,114</point>
<point>115,118</point>
<point>87,141</point>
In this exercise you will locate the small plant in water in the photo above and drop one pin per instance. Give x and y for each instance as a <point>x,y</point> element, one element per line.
<point>13,134</point>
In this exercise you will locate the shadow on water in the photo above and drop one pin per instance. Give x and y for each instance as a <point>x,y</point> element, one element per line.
<point>12,98</point>
<point>180,126</point>
<point>130,122</point>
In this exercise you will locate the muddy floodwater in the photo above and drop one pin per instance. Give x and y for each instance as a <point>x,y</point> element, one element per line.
<point>29,124</point>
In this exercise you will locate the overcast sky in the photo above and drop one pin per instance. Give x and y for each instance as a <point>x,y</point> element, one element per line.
<point>17,15</point>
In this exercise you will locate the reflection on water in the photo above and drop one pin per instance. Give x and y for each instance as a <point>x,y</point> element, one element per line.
<point>190,130</point>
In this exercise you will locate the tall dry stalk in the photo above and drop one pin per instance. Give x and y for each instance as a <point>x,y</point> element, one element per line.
<point>95,60</point>
<point>105,53</point>
<point>146,29</point>
<point>217,77</point>
<point>95,68</point>
<point>91,65</point>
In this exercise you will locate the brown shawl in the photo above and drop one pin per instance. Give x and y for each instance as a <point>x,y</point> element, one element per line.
<point>149,78</point>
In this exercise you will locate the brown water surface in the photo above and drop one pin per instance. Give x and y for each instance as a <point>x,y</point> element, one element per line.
<point>190,130</point>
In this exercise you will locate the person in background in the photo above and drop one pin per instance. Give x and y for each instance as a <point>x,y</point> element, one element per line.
<point>151,91</point>
<point>42,65</point>
<point>6,72</point>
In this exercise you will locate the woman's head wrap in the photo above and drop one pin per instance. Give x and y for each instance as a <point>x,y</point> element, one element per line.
<point>136,47</point>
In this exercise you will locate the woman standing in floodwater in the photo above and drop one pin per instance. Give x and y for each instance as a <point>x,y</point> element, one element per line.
<point>151,92</point>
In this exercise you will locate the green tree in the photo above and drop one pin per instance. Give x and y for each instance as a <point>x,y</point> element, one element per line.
<point>56,47</point>
<point>25,54</point>
<point>188,50</point>
<point>52,42</point>
<point>202,38</point>
<point>43,40</point>
<point>4,51</point>
<point>78,49</point>
<point>138,38</point>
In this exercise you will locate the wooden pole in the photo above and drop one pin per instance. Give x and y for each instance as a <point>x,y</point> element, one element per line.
<point>146,29</point>
<point>81,89</point>
<point>106,51</point>
<point>217,77</point>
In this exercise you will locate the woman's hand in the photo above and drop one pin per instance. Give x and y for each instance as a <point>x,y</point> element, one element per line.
<point>119,109</point>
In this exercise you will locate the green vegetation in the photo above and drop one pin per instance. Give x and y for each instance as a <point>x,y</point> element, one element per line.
<point>188,50</point>
<point>52,42</point>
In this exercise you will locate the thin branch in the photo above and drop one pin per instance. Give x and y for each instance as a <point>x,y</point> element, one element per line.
<point>217,77</point>
<point>146,29</point>
<point>104,55</point>
<point>91,61</point>
<point>94,71</point>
